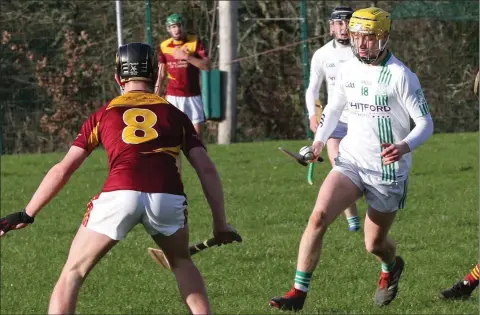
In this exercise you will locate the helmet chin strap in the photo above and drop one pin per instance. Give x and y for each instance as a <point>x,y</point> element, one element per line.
<point>344,42</point>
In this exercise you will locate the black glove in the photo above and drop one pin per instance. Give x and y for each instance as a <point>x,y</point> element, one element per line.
<point>10,221</point>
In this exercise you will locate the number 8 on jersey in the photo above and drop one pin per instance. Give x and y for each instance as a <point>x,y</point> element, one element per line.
<point>139,127</point>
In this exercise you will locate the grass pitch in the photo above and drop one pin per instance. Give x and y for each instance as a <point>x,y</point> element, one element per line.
<point>269,201</point>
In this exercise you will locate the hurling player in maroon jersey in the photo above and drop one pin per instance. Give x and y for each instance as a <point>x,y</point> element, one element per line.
<point>181,57</point>
<point>142,135</point>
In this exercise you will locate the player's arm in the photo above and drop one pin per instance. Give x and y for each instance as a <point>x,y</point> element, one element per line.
<point>199,62</point>
<point>211,183</point>
<point>160,79</point>
<point>411,95</point>
<point>57,176</point>
<point>213,190</point>
<point>330,116</point>
<point>206,171</point>
<point>87,140</point>
<point>316,79</point>
<point>50,186</point>
<point>162,70</point>
<point>200,58</point>
<point>55,179</point>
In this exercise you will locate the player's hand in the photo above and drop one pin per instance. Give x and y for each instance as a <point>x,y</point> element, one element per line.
<point>224,234</point>
<point>317,148</point>
<point>180,54</point>
<point>14,221</point>
<point>393,152</point>
<point>313,124</point>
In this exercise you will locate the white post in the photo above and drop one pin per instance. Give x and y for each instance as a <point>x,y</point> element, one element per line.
<point>228,39</point>
<point>118,10</point>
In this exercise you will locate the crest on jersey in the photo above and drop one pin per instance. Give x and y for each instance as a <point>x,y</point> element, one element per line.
<point>420,96</point>
<point>382,89</point>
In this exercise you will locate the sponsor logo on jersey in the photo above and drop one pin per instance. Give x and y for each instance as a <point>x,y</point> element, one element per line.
<point>350,85</point>
<point>331,79</point>
<point>366,82</point>
<point>330,65</point>
<point>369,107</point>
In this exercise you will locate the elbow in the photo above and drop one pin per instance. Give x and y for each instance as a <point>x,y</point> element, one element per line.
<point>206,65</point>
<point>310,92</point>
<point>208,169</point>
<point>65,170</point>
<point>61,172</point>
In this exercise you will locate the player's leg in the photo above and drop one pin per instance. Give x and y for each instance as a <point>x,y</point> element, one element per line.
<point>384,199</point>
<point>336,193</point>
<point>197,116</point>
<point>199,129</point>
<point>88,247</point>
<point>189,280</point>
<point>166,222</point>
<point>473,276</point>
<point>109,218</point>
<point>463,289</point>
<point>351,212</point>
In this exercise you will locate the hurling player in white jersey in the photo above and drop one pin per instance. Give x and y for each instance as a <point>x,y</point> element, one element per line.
<point>374,157</point>
<point>325,64</point>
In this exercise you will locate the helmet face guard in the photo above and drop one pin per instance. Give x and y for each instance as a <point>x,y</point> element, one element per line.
<point>340,14</point>
<point>365,25</point>
<point>136,62</point>
<point>372,53</point>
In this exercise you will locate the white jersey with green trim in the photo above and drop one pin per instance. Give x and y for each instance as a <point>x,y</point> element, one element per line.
<point>325,64</point>
<point>380,100</point>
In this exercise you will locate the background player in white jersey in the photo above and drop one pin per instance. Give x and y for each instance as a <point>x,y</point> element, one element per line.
<point>325,64</point>
<point>374,157</point>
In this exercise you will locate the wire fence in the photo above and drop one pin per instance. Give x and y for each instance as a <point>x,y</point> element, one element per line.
<point>57,64</point>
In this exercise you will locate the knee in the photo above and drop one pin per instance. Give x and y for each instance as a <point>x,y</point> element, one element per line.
<point>74,273</point>
<point>181,263</point>
<point>179,258</point>
<point>374,246</point>
<point>319,220</point>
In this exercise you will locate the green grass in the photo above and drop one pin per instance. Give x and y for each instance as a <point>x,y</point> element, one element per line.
<point>269,201</point>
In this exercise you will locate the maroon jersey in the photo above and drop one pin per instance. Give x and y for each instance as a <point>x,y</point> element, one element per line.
<point>183,77</point>
<point>142,135</point>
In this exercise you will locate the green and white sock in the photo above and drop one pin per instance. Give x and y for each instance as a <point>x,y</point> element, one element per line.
<point>302,280</point>
<point>388,267</point>
<point>353,223</point>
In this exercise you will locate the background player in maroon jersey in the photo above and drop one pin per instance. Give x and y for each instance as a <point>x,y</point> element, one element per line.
<point>142,134</point>
<point>182,56</point>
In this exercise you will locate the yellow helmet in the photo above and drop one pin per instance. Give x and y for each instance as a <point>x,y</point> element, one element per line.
<point>370,21</point>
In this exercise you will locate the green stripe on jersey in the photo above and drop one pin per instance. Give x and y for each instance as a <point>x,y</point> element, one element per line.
<point>402,202</point>
<point>385,76</point>
<point>381,100</point>
<point>385,134</point>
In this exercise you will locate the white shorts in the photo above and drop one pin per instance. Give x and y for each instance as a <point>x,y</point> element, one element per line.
<point>192,106</point>
<point>115,213</point>
<point>340,131</point>
<point>383,196</point>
